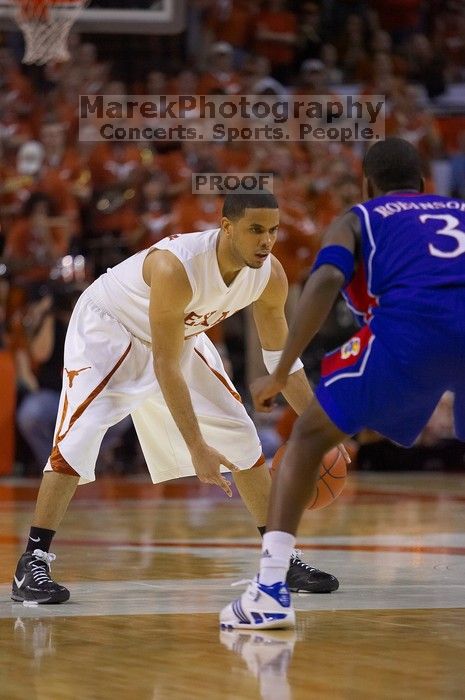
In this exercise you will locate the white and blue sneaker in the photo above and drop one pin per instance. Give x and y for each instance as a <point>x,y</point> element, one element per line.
<point>260,607</point>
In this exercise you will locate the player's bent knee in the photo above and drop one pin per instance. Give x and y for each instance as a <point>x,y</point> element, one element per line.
<point>316,429</point>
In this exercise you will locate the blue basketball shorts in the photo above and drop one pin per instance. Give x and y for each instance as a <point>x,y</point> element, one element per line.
<point>364,385</point>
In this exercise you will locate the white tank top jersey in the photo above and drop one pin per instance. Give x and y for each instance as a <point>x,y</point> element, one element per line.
<point>122,292</point>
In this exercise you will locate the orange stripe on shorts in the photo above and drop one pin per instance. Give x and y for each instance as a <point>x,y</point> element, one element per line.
<point>58,463</point>
<point>220,377</point>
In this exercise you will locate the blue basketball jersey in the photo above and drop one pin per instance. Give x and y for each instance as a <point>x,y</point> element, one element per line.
<point>409,290</point>
<point>413,260</point>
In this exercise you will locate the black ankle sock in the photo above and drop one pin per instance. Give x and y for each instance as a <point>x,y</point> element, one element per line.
<point>262,529</point>
<point>39,538</point>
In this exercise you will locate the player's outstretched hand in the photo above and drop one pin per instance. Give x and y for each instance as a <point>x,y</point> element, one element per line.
<point>207,462</point>
<point>263,391</point>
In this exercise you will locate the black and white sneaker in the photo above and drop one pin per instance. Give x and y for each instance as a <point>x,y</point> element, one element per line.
<point>32,582</point>
<point>302,578</point>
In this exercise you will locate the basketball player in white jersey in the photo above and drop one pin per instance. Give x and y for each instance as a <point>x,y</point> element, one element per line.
<point>136,344</point>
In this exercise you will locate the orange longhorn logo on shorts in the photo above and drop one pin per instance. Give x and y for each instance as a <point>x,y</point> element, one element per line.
<point>72,373</point>
<point>351,348</point>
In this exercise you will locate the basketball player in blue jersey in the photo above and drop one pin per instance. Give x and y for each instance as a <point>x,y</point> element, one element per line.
<point>399,258</point>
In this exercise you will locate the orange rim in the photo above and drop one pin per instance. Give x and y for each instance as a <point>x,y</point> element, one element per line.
<point>38,9</point>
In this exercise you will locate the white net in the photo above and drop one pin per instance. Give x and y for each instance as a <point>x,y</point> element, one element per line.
<point>46,28</point>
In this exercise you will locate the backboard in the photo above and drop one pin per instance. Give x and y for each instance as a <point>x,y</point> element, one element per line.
<point>118,16</point>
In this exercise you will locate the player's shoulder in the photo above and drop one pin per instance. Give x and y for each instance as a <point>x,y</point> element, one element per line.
<point>162,263</point>
<point>277,283</point>
<point>276,269</point>
<point>165,274</point>
<point>344,228</point>
<point>190,244</point>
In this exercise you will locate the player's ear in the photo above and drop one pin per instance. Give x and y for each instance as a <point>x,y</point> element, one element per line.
<point>226,225</point>
<point>422,184</point>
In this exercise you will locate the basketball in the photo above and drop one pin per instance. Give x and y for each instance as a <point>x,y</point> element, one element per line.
<point>331,480</point>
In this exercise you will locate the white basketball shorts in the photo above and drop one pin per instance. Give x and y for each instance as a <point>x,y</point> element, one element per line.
<point>108,374</point>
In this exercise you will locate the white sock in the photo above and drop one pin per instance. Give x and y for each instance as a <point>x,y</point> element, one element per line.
<point>276,552</point>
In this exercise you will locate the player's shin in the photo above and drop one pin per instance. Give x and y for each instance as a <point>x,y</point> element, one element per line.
<point>55,493</point>
<point>254,486</point>
<point>294,484</point>
<point>312,436</point>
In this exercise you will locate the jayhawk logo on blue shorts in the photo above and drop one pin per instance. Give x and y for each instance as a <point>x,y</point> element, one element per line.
<point>351,348</point>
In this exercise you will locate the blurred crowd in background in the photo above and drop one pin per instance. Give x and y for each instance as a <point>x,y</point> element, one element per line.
<point>69,209</point>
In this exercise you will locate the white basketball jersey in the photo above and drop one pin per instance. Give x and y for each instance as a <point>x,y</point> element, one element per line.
<point>123,293</point>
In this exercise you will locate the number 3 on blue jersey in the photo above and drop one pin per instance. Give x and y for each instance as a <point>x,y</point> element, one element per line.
<point>450,229</point>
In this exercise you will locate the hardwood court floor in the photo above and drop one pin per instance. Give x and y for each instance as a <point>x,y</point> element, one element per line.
<point>149,568</point>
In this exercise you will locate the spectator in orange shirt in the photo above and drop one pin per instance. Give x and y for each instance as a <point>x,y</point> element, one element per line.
<point>276,38</point>
<point>330,60</point>
<point>254,70</point>
<point>401,18</point>
<point>62,106</point>
<point>235,157</point>
<point>16,89</point>
<point>171,158</point>
<point>340,196</point>
<point>380,77</point>
<point>256,77</point>
<point>449,40</point>
<point>95,74</point>
<point>185,83</point>
<point>352,48</point>
<point>155,216</point>
<point>36,241</point>
<point>287,162</point>
<point>16,185</point>
<point>220,74</point>
<point>195,212</point>
<point>115,164</point>
<point>156,83</point>
<point>310,35</point>
<point>65,161</point>
<point>117,171</point>
<point>411,120</point>
<point>232,22</point>
<point>14,129</point>
<point>426,66</point>
<point>381,64</point>
<point>30,175</point>
<point>296,246</point>
<point>312,78</point>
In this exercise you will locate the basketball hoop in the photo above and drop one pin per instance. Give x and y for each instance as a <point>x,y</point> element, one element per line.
<point>46,25</point>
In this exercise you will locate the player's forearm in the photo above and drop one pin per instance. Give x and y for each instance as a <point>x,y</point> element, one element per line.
<point>178,399</point>
<point>314,305</point>
<point>297,391</point>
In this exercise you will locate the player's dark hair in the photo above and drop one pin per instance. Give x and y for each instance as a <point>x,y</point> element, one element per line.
<point>393,164</point>
<point>234,205</point>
